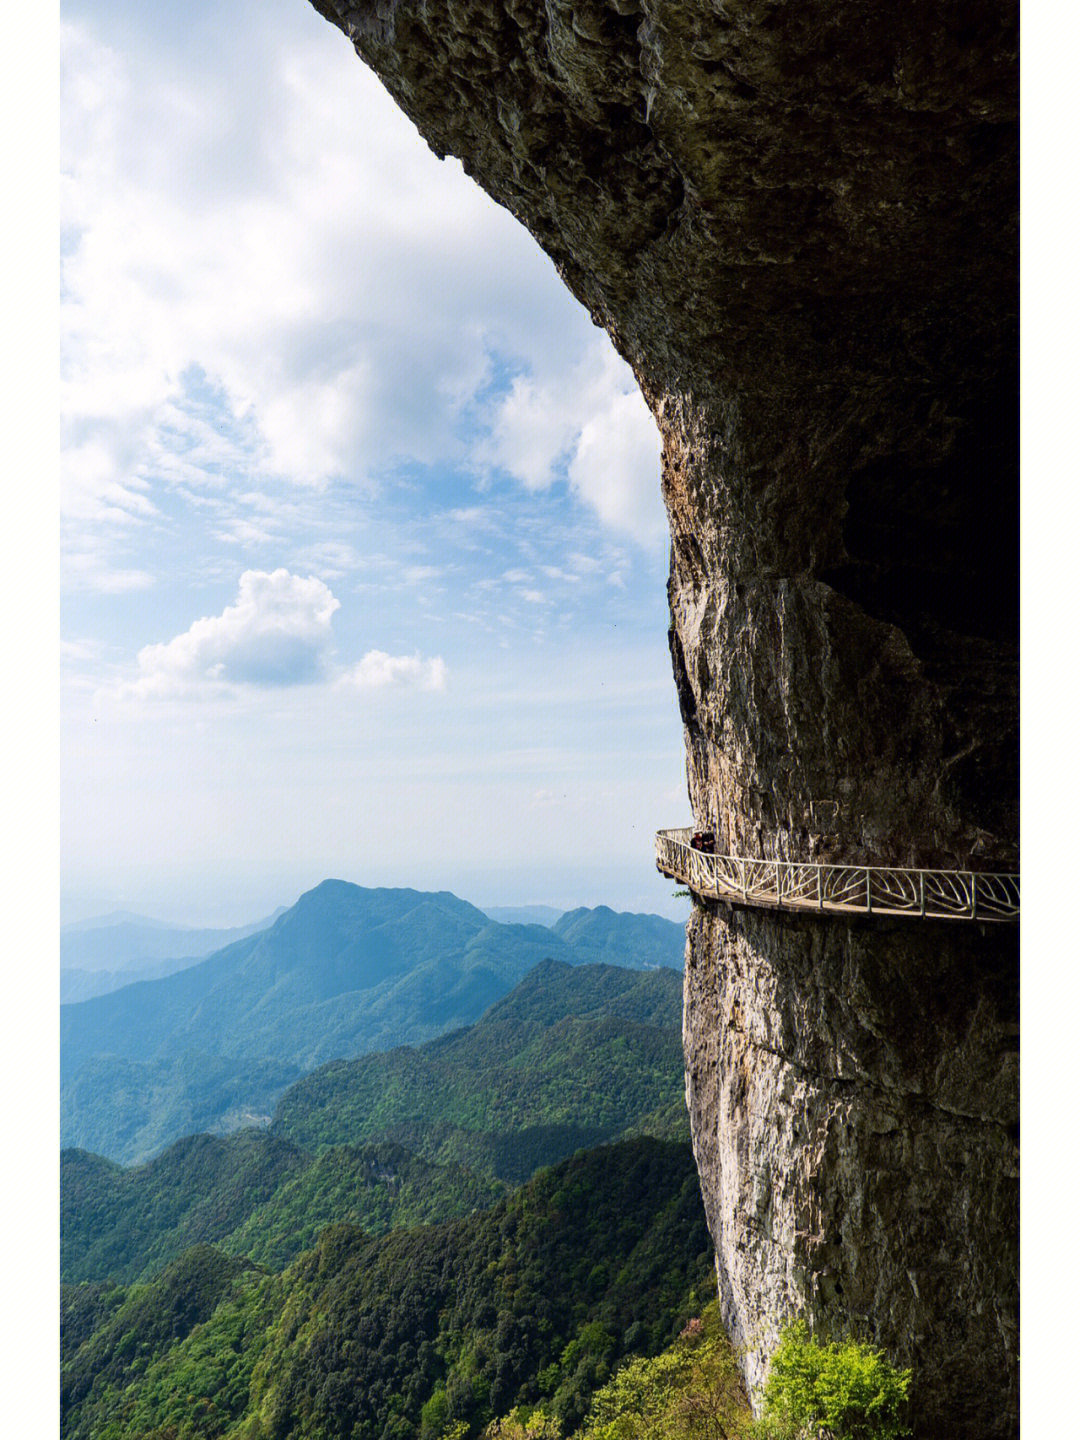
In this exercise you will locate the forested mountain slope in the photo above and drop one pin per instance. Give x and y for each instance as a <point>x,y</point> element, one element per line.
<point>130,1109</point>
<point>570,1058</point>
<point>251,1194</point>
<point>603,1256</point>
<point>573,1056</point>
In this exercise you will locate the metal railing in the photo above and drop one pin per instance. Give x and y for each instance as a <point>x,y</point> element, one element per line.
<point>843,889</point>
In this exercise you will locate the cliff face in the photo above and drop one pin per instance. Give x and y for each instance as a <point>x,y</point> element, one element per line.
<point>852,1092</point>
<point>798,224</point>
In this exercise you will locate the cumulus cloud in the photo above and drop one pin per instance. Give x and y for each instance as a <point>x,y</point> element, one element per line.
<point>276,633</point>
<point>590,421</point>
<point>267,275</point>
<point>616,467</point>
<point>380,671</point>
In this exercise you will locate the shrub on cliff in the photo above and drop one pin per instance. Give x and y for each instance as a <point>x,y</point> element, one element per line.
<point>845,1390</point>
<point>692,1391</point>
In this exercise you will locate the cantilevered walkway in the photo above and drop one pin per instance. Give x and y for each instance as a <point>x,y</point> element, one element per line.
<point>837,889</point>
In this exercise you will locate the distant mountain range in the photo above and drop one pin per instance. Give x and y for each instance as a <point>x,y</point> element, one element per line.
<point>344,971</point>
<point>103,953</point>
<point>522,914</point>
<point>610,937</point>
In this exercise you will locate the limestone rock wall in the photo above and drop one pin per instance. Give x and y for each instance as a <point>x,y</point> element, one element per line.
<point>797,221</point>
<point>852,1090</point>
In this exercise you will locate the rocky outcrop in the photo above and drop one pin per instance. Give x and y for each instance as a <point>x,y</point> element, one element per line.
<point>798,224</point>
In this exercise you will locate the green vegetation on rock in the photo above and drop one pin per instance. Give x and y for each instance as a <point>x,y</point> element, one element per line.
<point>844,1389</point>
<point>693,1391</point>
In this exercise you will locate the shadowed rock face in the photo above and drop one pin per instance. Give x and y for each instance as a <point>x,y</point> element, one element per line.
<point>797,221</point>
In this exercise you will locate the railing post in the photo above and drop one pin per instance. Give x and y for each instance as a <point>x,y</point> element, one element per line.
<point>779,887</point>
<point>869,898</point>
<point>820,888</point>
<point>974,900</point>
<point>922,892</point>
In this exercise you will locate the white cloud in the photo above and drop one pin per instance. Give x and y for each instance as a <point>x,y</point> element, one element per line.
<point>333,558</point>
<point>88,570</point>
<point>75,651</point>
<point>585,564</point>
<point>616,467</point>
<point>281,226</point>
<point>276,633</point>
<point>249,534</point>
<point>92,490</point>
<point>267,275</point>
<point>380,671</point>
<point>592,420</point>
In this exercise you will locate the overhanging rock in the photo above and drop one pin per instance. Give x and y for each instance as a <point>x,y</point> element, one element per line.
<point>797,221</point>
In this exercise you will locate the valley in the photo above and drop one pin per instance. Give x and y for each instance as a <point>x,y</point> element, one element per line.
<point>572,1057</point>
<point>498,1215</point>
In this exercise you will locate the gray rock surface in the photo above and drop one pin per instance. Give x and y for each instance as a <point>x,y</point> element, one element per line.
<point>852,1091</point>
<point>797,221</point>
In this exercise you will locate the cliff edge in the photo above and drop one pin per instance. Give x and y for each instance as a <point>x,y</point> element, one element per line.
<point>798,223</point>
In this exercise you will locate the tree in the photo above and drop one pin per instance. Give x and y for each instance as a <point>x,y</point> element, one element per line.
<point>845,1388</point>
<point>692,1391</point>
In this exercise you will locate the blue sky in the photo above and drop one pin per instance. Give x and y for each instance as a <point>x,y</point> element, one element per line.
<point>363,556</point>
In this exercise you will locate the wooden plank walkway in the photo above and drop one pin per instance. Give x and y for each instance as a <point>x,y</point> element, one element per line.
<point>838,889</point>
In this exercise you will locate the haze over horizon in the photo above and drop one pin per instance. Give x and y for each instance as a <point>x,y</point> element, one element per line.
<point>364,557</point>
<point>177,919</point>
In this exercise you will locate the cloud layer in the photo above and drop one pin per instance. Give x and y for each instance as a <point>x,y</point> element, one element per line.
<point>591,419</point>
<point>267,276</point>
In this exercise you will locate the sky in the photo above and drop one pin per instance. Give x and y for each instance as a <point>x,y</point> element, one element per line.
<point>362,551</point>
